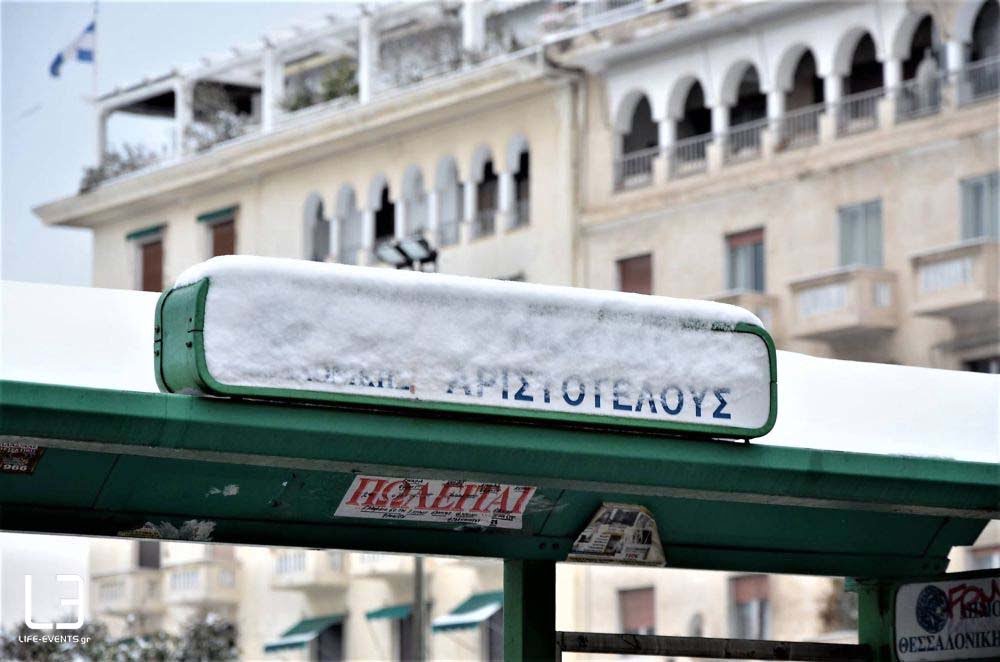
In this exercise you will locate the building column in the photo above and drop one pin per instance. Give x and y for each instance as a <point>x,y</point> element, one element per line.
<point>833,85</point>
<point>272,88</point>
<point>402,218</point>
<point>505,204</point>
<point>892,73</point>
<point>367,57</point>
<point>433,218</point>
<point>333,247</point>
<point>467,230</point>
<point>367,237</point>
<point>101,144</point>
<point>183,113</point>
<point>954,55</point>
<point>473,26</point>
<point>667,128</point>
<point>715,151</point>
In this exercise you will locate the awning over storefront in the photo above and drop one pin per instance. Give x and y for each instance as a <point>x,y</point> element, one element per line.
<point>303,632</point>
<point>476,609</point>
<point>395,612</point>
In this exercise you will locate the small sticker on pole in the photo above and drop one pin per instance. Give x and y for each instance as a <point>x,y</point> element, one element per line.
<point>466,502</point>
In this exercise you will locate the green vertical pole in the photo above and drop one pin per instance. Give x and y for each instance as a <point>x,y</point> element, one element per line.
<point>875,614</point>
<point>529,610</point>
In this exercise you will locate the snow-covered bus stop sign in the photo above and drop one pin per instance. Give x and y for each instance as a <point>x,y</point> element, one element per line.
<point>270,328</point>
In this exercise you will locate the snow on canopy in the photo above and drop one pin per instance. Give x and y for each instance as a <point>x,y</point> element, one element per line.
<point>103,339</point>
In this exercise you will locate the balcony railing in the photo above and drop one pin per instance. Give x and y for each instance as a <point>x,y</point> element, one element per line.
<point>304,570</point>
<point>380,564</point>
<point>979,80</point>
<point>958,282</point>
<point>918,98</point>
<point>635,169</point>
<point>522,212</point>
<point>134,592</point>
<point>857,113</point>
<point>484,222</point>
<point>745,141</point>
<point>690,155</point>
<point>844,304</point>
<point>449,232</point>
<point>799,127</point>
<point>200,583</point>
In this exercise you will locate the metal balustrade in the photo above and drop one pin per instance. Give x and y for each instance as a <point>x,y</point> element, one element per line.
<point>522,212</point>
<point>484,222</point>
<point>857,113</point>
<point>918,98</point>
<point>799,128</point>
<point>979,80</point>
<point>744,141</point>
<point>635,169</point>
<point>690,155</point>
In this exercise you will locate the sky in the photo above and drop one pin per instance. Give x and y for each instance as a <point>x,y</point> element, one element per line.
<point>49,126</point>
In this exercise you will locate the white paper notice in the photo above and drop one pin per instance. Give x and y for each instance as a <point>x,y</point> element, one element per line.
<point>441,501</point>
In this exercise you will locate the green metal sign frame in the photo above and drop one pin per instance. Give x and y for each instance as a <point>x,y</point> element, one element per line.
<point>181,367</point>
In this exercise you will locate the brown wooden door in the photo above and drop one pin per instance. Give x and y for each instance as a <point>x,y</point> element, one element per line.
<point>224,238</point>
<point>152,266</point>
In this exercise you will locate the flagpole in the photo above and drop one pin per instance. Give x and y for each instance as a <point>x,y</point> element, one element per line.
<point>94,79</point>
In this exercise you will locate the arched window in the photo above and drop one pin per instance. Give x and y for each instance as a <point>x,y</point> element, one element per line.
<point>693,132</point>
<point>487,193</point>
<point>920,92</point>
<point>349,226</point>
<point>862,88</point>
<point>986,33</point>
<point>803,105</point>
<point>415,201</point>
<point>639,146</point>
<point>522,190</point>
<point>746,117</point>
<point>450,202</point>
<point>866,70</point>
<point>316,229</point>
<point>385,215</point>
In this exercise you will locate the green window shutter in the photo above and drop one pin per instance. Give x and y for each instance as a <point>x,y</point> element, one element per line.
<point>873,234</point>
<point>993,205</point>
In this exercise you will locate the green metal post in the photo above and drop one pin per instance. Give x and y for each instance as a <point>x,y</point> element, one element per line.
<point>875,617</point>
<point>529,610</point>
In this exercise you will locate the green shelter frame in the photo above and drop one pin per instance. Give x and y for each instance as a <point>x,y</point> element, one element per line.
<point>115,460</point>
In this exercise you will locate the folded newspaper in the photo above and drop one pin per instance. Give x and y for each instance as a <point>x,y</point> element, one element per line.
<point>620,533</point>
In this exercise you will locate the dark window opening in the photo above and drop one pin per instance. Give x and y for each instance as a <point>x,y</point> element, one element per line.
<point>330,644</point>
<point>989,365</point>
<point>385,217</point>
<point>697,118</point>
<point>637,611</point>
<point>986,32</point>
<point>148,554</point>
<point>404,639</point>
<point>635,274</point>
<point>494,637</point>
<point>750,615</point>
<point>522,190</point>
<point>486,200</point>
<point>751,103</point>
<point>643,132</point>
<point>925,43</point>
<point>746,261</point>
<point>866,70</point>
<point>807,85</point>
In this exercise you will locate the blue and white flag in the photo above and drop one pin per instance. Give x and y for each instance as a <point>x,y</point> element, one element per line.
<point>81,50</point>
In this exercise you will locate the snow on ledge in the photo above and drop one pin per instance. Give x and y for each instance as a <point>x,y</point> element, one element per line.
<point>102,338</point>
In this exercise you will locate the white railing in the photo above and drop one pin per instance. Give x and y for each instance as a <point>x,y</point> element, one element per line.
<point>800,127</point>
<point>744,141</point>
<point>918,98</point>
<point>979,80</point>
<point>822,300</point>
<point>597,11</point>
<point>857,113</point>
<point>449,232</point>
<point>635,169</point>
<point>522,212</point>
<point>945,275</point>
<point>690,155</point>
<point>484,222</point>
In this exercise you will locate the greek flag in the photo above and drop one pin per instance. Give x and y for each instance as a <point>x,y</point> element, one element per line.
<point>81,50</point>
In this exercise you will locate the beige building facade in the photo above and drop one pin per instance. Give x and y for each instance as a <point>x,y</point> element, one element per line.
<point>830,166</point>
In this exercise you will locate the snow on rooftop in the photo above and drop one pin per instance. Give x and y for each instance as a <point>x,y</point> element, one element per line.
<point>103,339</point>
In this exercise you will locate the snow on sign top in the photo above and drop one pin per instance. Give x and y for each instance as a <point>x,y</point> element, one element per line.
<point>267,327</point>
